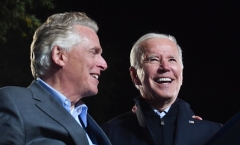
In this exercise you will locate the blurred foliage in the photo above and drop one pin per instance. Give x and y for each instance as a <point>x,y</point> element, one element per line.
<point>17,24</point>
<point>14,15</point>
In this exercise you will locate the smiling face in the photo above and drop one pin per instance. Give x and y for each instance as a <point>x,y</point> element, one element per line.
<point>160,77</point>
<point>84,63</point>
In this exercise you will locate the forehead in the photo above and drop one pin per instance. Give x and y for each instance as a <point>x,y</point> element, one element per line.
<point>159,45</point>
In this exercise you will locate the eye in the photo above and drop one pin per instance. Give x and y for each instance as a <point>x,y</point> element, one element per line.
<point>94,51</point>
<point>173,59</point>
<point>153,60</point>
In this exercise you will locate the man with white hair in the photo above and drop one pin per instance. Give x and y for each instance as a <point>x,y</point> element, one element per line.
<point>159,117</point>
<point>66,63</point>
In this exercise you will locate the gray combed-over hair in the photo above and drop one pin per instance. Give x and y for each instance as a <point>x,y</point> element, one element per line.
<point>58,30</point>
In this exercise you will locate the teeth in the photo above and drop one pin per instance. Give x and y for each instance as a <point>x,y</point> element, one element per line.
<point>164,80</point>
<point>95,76</point>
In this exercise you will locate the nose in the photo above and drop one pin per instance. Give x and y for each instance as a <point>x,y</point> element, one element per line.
<point>102,64</point>
<point>164,66</point>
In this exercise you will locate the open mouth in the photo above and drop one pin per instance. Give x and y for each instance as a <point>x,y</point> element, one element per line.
<point>163,80</point>
<point>96,76</point>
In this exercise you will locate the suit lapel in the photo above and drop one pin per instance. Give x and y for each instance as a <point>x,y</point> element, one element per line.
<point>144,109</point>
<point>185,125</point>
<point>52,108</point>
<point>96,132</point>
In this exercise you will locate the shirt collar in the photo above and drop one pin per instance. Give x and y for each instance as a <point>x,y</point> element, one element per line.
<point>163,113</point>
<point>79,109</point>
<point>60,98</point>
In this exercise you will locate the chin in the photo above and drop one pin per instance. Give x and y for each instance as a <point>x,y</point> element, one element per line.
<point>91,93</point>
<point>166,97</point>
<point>94,92</point>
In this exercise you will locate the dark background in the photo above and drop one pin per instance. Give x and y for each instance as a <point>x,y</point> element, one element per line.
<point>207,31</point>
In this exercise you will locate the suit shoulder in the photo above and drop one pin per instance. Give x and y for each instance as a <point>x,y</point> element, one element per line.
<point>209,125</point>
<point>212,123</point>
<point>12,89</point>
<point>123,120</point>
<point>13,92</point>
<point>125,125</point>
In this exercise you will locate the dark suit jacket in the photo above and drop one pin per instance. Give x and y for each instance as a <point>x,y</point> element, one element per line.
<point>136,128</point>
<point>228,134</point>
<point>30,116</point>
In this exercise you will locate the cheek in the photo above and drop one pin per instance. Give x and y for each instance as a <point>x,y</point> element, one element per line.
<point>148,72</point>
<point>91,62</point>
<point>144,75</point>
<point>178,72</point>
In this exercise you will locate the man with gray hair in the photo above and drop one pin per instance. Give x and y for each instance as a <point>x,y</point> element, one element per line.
<point>66,63</point>
<point>159,117</point>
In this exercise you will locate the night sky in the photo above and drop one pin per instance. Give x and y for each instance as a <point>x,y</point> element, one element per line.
<point>208,32</point>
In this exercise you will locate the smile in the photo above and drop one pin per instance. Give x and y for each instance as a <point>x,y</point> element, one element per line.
<point>164,80</point>
<point>96,76</point>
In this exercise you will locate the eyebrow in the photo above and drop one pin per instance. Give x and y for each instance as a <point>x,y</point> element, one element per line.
<point>156,56</point>
<point>151,55</point>
<point>99,49</point>
<point>173,56</point>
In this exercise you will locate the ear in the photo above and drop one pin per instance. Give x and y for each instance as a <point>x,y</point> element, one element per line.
<point>58,56</point>
<point>134,76</point>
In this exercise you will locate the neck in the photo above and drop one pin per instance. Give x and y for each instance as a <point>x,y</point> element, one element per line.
<point>160,104</point>
<point>64,88</point>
